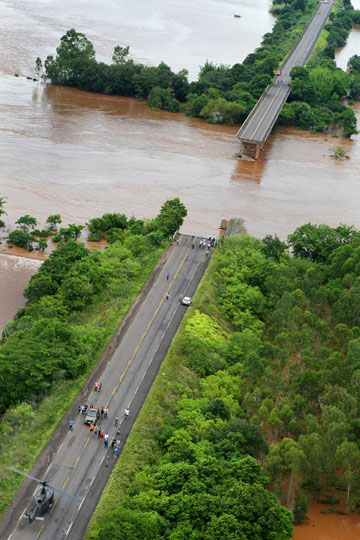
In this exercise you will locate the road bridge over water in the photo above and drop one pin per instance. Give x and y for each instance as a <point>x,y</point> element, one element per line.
<point>258,125</point>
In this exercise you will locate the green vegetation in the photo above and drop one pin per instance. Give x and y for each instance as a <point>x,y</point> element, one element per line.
<point>265,365</point>
<point>76,302</point>
<point>316,90</point>
<point>26,234</point>
<point>224,94</point>
<point>2,211</point>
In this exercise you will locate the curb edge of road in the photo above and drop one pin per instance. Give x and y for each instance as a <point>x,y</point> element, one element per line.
<point>24,493</point>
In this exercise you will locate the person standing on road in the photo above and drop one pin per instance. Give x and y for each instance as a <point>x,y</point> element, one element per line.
<point>126,413</point>
<point>167,296</point>
<point>71,424</point>
<point>102,412</point>
<point>113,441</point>
<point>116,451</point>
<point>92,428</point>
<point>106,411</point>
<point>116,420</point>
<point>167,276</point>
<point>106,442</point>
<point>79,409</point>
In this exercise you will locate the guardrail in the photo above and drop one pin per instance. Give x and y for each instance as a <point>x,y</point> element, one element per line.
<point>250,115</point>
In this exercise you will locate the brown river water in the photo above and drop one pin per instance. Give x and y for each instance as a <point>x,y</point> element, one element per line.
<point>80,155</point>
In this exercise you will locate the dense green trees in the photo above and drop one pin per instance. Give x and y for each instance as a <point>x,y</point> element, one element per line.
<point>274,351</point>
<point>226,94</point>
<point>207,498</point>
<point>44,344</point>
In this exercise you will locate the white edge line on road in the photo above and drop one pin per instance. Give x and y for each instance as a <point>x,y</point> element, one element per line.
<point>136,389</point>
<point>67,532</point>
<point>80,505</point>
<point>59,448</point>
<point>142,377</point>
<point>10,536</point>
<point>102,459</point>
<point>92,481</point>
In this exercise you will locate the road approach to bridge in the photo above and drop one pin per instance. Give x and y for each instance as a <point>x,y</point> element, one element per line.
<point>80,463</point>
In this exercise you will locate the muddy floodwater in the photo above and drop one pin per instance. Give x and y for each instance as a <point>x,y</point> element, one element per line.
<point>15,273</point>
<point>328,526</point>
<point>80,155</point>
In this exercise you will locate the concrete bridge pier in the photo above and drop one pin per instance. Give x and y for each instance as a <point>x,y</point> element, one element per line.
<point>251,148</point>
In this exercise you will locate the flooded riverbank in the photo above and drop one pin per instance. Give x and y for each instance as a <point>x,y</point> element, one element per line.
<point>15,273</point>
<point>328,526</point>
<point>80,155</point>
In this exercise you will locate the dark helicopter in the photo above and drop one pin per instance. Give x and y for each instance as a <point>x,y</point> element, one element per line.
<point>43,497</point>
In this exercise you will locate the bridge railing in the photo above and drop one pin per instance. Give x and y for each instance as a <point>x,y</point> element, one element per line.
<point>253,110</point>
<point>266,91</point>
<point>276,114</point>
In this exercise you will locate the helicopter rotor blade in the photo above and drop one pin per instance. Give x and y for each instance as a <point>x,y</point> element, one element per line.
<point>63,493</point>
<point>45,483</point>
<point>26,474</point>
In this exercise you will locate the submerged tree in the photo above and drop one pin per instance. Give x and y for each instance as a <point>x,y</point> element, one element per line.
<point>53,220</point>
<point>73,53</point>
<point>236,227</point>
<point>2,211</point>
<point>27,222</point>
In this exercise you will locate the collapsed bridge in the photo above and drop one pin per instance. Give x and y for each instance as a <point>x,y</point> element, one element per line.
<point>255,130</point>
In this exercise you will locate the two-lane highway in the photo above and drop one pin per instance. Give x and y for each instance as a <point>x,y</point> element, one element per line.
<point>80,460</point>
<point>262,118</point>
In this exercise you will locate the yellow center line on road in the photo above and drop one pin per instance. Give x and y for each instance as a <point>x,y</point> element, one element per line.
<point>76,462</point>
<point>263,116</point>
<point>65,483</point>
<point>42,526</point>
<point>150,323</point>
<point>87,442</point>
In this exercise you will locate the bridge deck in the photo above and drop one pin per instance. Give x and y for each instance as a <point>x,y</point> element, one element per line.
<point>262,118</point>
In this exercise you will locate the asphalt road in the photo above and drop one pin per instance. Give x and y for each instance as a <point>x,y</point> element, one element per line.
<point>81,466</point>
<point>258,125</point>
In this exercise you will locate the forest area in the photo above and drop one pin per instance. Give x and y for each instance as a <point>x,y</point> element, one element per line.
<point>258,400</point>
<point>223,94</point>
<point>75,303</point>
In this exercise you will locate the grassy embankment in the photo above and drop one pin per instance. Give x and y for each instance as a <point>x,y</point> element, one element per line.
<point>26,429</point>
